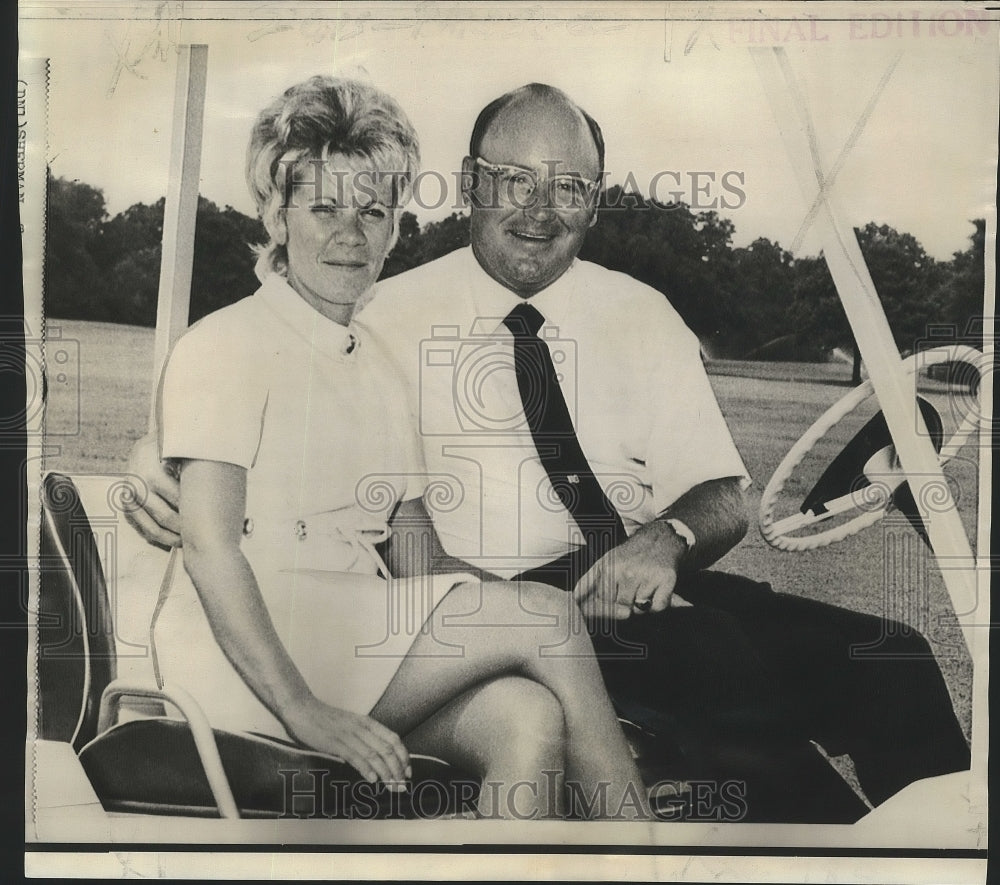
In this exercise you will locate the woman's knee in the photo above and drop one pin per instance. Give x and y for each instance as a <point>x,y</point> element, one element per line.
<point>516,619</point>
<point>527,724</point>
<point>545,605</point>
<point>527,604</point>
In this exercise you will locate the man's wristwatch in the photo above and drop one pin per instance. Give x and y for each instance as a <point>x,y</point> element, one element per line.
<point>682,530</point>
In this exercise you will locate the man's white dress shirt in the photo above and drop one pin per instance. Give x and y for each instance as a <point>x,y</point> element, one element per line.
<point>631,373</point>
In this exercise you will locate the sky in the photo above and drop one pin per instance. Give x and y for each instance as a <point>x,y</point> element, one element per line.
<point>680,97</point>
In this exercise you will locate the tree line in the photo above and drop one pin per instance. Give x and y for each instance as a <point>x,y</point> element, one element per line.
<point>751,302</point>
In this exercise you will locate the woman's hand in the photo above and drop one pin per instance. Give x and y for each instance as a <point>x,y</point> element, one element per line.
<point>375,751</point>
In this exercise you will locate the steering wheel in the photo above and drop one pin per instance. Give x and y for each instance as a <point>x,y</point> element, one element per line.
<point>873,495</point>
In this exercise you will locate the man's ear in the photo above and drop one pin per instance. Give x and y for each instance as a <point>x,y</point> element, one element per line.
<point>469,179</point>
<point>593,218</point>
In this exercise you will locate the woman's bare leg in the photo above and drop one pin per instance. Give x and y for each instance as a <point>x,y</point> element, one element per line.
<point>480,631</point>
<point>509,731</point>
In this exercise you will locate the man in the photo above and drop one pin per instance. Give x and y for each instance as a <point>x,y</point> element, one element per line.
<point>736,677</point>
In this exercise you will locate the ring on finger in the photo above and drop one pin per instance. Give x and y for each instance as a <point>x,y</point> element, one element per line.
<point>642,605</point>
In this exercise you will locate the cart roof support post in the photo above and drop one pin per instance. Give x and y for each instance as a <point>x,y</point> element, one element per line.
<point>180,211</point>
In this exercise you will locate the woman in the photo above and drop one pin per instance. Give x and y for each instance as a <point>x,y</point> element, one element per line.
<point>293,450</point>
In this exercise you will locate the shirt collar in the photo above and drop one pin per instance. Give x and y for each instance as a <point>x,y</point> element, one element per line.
<point>492,301</point>
<point>293,309</point>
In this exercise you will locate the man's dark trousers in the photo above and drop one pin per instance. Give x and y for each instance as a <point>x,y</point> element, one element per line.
<point>740,682</point>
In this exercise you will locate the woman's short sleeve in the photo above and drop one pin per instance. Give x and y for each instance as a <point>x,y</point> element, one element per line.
<point>214,393</point>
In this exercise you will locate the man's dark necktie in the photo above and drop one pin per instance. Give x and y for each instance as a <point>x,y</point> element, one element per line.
<point>559,450</point>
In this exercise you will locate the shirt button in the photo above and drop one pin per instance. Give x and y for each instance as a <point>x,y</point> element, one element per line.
<point>300,530</point>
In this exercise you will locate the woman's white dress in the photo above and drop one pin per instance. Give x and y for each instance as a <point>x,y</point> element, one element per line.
<point>318,419</point>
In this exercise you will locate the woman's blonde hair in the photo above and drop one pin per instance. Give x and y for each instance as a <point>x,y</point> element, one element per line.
<point>312,120</point>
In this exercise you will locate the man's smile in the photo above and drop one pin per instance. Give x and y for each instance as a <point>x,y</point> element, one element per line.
<point>531,236</point>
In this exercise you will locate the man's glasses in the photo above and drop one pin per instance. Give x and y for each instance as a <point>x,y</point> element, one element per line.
<point>519,187</point>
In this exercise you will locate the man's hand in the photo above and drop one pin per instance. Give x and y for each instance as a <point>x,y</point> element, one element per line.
<point>636,577</point>
<point>157,491</point>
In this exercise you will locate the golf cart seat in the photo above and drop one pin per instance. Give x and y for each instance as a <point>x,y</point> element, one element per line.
<point>96,692</point>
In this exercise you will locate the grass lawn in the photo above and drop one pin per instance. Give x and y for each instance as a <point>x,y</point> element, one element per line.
<point>102,406</point>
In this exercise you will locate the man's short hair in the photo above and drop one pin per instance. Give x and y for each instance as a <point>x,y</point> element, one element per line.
<point>489,113</point>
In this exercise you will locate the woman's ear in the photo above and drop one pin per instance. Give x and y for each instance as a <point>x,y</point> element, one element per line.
<point>276,225</point>
<point>397,215</point>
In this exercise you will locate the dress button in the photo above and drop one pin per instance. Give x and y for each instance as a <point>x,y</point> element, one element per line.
<point>300,530</point>
<point>247,527</point>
